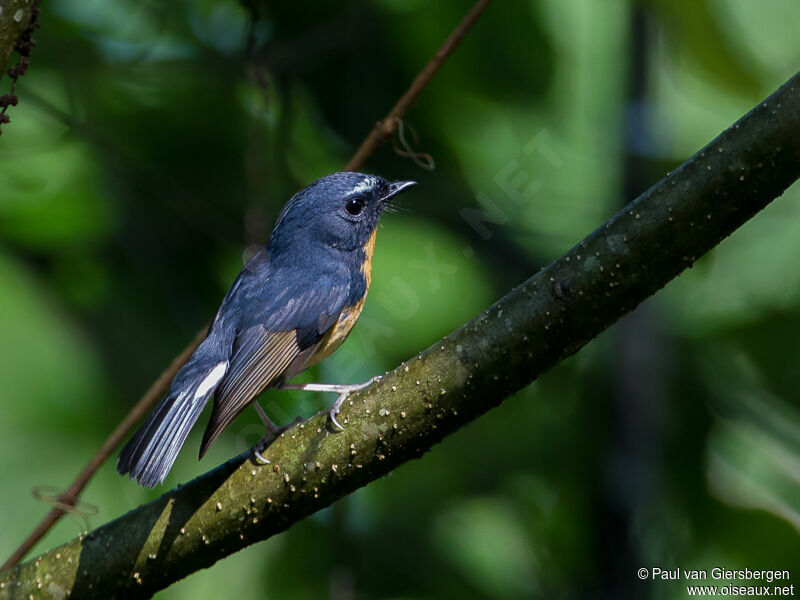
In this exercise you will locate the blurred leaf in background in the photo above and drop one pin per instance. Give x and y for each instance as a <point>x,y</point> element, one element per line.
<point>154,143</point>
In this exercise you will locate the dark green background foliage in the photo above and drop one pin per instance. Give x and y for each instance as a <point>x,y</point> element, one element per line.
<point>156,141</point>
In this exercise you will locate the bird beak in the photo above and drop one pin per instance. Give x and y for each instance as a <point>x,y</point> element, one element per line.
<point>397,187</point>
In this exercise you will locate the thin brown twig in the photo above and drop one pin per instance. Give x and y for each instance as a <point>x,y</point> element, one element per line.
<point>70,496</point>
<point>385,128</point>
<point>380,133</point>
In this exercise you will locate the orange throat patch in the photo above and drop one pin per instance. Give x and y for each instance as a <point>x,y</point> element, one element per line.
<point>347,318</point>
<point>366,267</point>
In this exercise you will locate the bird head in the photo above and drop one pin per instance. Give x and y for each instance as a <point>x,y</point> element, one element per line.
<point>339,211</point>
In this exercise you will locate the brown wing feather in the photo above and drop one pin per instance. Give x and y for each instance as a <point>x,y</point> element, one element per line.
<point>263,357</point>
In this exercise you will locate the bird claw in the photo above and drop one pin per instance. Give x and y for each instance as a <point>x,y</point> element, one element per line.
<point>337,406</point>
<point>346,391</point>
<point>266,441</point>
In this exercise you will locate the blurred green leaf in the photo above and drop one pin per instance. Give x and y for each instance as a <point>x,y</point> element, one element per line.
<point>484,539</point>
<point>698,37</point>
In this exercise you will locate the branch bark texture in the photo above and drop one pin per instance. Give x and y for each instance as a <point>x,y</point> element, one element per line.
<point>14,18</point>
<point>544,320</point>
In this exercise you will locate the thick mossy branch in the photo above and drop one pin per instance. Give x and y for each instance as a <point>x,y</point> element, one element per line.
<point>547,318</point>
<point>14,18</point>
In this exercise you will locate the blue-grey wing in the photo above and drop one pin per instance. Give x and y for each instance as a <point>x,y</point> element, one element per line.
<point>281,316</point>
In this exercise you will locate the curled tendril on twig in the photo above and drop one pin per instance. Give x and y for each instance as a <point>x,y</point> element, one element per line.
<point>402,147</point>
<point>80,511</point>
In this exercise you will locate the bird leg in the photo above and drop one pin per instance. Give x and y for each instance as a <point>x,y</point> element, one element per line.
<point>273,431</point>
<point>271,427</point>
<point>342,390</point>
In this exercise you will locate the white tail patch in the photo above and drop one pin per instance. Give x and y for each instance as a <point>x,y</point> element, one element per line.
<point>211,380</point>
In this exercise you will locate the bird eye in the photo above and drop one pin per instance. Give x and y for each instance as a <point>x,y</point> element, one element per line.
<point>354,206</point>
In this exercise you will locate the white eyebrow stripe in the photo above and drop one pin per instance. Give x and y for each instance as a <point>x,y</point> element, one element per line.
<point>364,186</point>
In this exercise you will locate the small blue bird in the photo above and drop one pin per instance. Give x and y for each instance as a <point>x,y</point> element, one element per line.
<point>291,306</point>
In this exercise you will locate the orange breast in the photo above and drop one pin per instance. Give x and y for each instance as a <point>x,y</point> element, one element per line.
<point>347,318</point>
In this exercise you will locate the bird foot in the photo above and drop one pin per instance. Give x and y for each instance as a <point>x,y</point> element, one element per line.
<point>343,390</point>
<point>273,433</point>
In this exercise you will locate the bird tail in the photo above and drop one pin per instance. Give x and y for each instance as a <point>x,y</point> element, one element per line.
<point>151,452</point>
